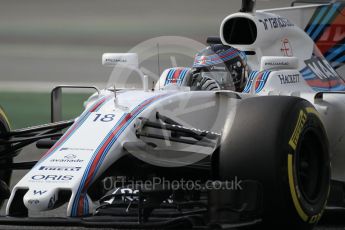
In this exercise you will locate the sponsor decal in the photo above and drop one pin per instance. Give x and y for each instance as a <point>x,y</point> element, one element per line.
<point>286,48</point>
<point>276,23</point>
<point>39,192</point>
<point>52,177</point>
<point>59,168</point>
<point>288,78</point>
<point>70,158</point>
<point>322,69</point>
<point>277,63</point>
<point>302,119</point>
<point>116,60</point>
<point>67,160</point>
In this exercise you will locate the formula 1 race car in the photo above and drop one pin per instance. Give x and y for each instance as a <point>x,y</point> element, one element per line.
<point>259,141</point>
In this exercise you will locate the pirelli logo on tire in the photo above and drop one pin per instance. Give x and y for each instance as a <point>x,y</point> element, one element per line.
<point>302,119</point>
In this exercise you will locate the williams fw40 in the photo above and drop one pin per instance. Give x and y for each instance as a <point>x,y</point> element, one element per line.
<point>251,134</point>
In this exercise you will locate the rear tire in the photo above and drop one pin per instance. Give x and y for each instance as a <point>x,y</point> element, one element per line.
<point>281,143</point>
<point>5,171</point>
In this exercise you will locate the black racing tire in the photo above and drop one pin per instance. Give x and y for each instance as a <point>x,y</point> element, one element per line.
<point>5,170</point>
<point>280,142</point>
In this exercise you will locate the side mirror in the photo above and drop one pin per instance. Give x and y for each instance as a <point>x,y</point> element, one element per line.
<point>124,59</point>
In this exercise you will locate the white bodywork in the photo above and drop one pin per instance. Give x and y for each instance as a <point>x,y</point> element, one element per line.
<point>91,145</point>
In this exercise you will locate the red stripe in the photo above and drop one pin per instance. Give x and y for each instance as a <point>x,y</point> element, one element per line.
<point>328,84</point>
<point>98,104</point>
<point>176,75</point>
<point>258,79</point>
<point>81,205</point>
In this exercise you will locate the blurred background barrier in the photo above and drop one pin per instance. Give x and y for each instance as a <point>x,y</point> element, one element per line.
<point>44,43</point>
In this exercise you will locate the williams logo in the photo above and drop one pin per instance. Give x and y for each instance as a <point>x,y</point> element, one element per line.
<point>58,168</point>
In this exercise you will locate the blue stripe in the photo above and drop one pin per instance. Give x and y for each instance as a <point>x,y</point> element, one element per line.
<point>184,75</point>
<point>325,21</point>
<point>335,52</point>
<point>250,81</point>
<point>181,77</point>
<point>309,78</point>
<point>338,88</point>
<point>306,71</point>
<point>317,19</point>
<point>340,60</point>
<point>168,79</point>
<point>309,73</point>
<point>252,77</point>
<point>171,74</point>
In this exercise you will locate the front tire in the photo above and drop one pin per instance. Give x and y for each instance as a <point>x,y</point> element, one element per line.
<point>281,143</point>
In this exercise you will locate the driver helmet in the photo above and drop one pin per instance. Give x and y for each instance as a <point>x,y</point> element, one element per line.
<point>219,67</point>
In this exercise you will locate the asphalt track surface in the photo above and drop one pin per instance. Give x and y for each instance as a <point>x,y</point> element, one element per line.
<point>62,41</point>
